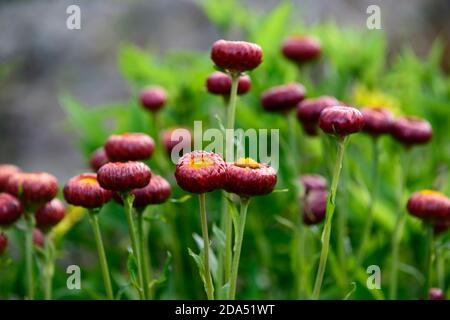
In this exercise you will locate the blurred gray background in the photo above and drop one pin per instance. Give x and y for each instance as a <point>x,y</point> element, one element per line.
<point>42,58</point>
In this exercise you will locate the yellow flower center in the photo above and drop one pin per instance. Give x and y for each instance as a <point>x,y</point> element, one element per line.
<point>247,163</point>
<point>201,162</point>
<point>88,180</point>
<point>429,192</point>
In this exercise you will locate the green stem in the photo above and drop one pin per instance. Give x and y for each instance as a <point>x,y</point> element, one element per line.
<point>143,252</point>
<point>428,259</point>
<point>239,229</point>
<point>49,268</point>
<point>440,265</point>
<point>29,218</point>
<point>128,199</point>
<point>328,219</point>
<point>369,218</point>
<point>208,279</point>
<point>224,259</point>
<point>341,224</point>
<point>93,218</point>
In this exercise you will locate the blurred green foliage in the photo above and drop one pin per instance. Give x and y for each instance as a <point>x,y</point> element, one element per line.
<point>354,67</point>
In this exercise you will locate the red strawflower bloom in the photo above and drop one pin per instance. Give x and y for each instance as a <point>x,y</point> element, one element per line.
<point>236,56</point>
<point>6,171</point>
<point>377,121</point>
<point>246,177</point>
<point>124,176</point>
<point>174,136</point>
<point>314,206</point>
<point>412,130</point>
<point>429,205</point>
<point>200,172</point>
<point>301,49</point>
<point>308,112</point>
<point>50,214</point>
<point>39,187</point>
<point>282,98</point>
<point>98,159</point>
<point>437,294</point>
<point>129,147</point>
<point>340,120</point>
<point>85,191</point>
<point>220,83</point>
<point>10,209</point>
<point>313,182</point>
<point>153,98</point>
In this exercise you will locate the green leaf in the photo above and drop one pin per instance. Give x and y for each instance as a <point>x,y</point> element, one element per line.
<point>200,265</point>
<point>132,268</point>
<point>183,199</point>
<point>166,272</point>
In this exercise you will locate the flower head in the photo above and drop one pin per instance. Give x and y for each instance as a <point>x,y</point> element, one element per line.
<point>98,159</point>
<point>6,171</point>
<point>429,205</point>
<point>313,182</point>
<point>200,172</point>
<point>153,98</point>
<point>436,294</point>
<point>301,49</point>
<point>283,98</point>
<point>156,192</point>
<point>412,130</point>
<point>174,136</point>
<point>124,176</point>
<point>377,121</point>
<point>85,191</point>
<point>246,177</point>
<point>129,147</point>
<point>38,237</point>
<point>340,120</point>
<point>50,214</point>
<point>39,187</point>
<point>3,243</point>
<point>236,56</point>
<point>220,83</point>
<point>10,209</point>
<point>314,206</point>
<point>308,112</point>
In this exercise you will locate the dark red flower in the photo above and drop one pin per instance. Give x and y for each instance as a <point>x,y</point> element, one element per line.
<point>429,205</point>
<point>200,172</point>
<point>38,237</point>
<point>124,176</point>
<point>282,98</point>
<point>174,136</point>
<point>412,130</point>
<point>340,120</point>
<point>301,49</point>
<point>85,191</point>
<point>246,177</point>
<point>377,121</point>
<point>6,171</point>
<point>236,56</point>
<point>153,98</point>
<point>50,214</point>
<point>313,182</point>
<point>129,147</point>
<point>39,187</point>
<point>3,243</point>
<point>10,209</point>
<point>98,159</point>
<point>156,192</point>
<point>314,206</point>
<point>308,112</point>
<point>220,83</point>
<point>437,294</point>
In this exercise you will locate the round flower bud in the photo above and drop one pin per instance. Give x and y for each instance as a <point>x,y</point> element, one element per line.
<point>429,205</point>
<point>39,187</point>
<point>308,112</point>
<point>156,192</point>
<point>340,120</point>
<point>3,243</point>
<point>220,83</point>
<point>153,98</point>
<point>174,136</point>
<point>377,121</point>
<point>129,147</point>
<point>301,49</point>
<point>98,159</point>
<point>50,214</point>
<point>85,191</point>
<point>10,209</point>
<point>314,206</point>
<point>236,56</point>
<point>313,182</point>
<point>6,171</point>
<point>412,130</point>
<point>246,177</point>
<point>124,176</point>
<point>436,294</point>
<point>282,98</point>
<point>38,237</point>
<point>200,172</point>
